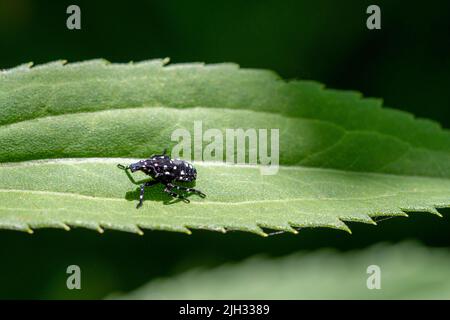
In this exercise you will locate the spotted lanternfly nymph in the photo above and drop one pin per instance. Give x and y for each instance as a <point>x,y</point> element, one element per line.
<point>164,170</point>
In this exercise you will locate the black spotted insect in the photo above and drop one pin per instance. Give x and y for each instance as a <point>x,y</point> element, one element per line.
<point>164,170</point>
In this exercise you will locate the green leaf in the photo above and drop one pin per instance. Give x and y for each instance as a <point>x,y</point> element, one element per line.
<point>93,193</point>
<point>408,271</point>
<point>319,128</point>
<point>343,158</point>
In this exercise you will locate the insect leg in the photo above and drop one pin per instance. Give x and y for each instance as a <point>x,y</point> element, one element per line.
<point>127,171</point>
<point>141,195</point>
<point>201,194</point>
<point>169,187</point>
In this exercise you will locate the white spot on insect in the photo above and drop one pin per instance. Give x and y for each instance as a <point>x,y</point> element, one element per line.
<point>166,172</point>
<point>182,172</point>
<point>190,166</point>
<point>162,157</point>
<point>175,167</point>
<point>164,166</point>
<point>156,164</point>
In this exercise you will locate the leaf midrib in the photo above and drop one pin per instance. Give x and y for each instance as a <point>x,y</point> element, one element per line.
<point>81,196</point>
<point>73,161</point>
<point>108,160</point>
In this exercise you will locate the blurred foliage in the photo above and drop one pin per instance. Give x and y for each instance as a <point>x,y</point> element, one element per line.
<point>406,271</point>
<point>34,266</point>
<point>406,63</point>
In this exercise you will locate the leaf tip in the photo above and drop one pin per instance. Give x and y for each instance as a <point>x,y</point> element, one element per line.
<point>433,210</point>
<point>345,228</point>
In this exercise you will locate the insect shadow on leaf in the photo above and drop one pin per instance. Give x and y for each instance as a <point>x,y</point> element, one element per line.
<point>164,171</point>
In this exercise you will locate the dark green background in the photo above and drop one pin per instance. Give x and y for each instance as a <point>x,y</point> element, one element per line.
<point>407,63</point>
